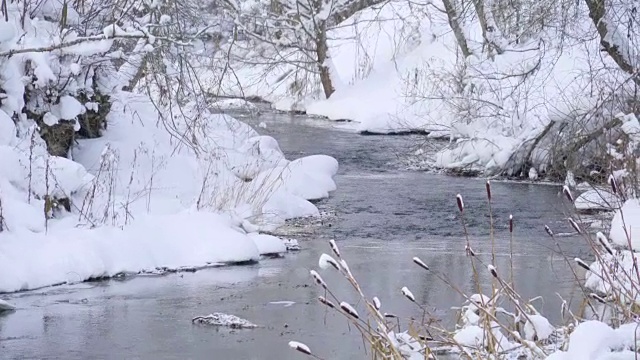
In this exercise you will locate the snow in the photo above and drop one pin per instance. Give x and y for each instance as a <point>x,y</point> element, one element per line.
<point>67,255</point>
<point>471,336</point>
<point>537,326</point>
<point>600,199</point>
<point>284,303</point>
<point>5,306</point>
<point>408,294</point>
<point>393,69</point>
<point>233,104</point>
<point>143,196</point>
<point>69,108</point>
<point>268,244</point>
<point>299,347</point>
<point>595,340</point>
<point>625,226</point>
<point>163,228</point>
<point>7,130</point>
<point>226,320</point>
<point>326,261</point>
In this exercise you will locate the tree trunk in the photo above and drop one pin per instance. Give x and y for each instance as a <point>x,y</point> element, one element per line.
<point>488,26</point>
<point>452,15</point>
<point>597,13</point>
<point>322,56</point>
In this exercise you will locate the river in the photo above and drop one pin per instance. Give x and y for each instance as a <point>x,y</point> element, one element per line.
<point>382,216</point>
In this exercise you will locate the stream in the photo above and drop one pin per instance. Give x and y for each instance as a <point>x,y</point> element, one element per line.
<point>381,217</point>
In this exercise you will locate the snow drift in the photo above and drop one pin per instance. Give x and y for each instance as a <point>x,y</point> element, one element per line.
<point>148,192</point>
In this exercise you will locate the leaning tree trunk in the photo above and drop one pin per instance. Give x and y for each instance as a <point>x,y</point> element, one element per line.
<point>322,50</point>
<point>454,22</point>
<point>611,43</point>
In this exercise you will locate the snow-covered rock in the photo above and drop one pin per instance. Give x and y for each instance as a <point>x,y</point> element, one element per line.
<point>226,320</point>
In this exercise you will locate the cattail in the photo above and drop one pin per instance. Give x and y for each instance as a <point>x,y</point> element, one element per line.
<point>582,264</point>
<point>598,298</point>
<point>492,270</point>
<point>567,193</point>
<point>575,226</point>
<point>469,251</point>
<point>511,223</point>
<point>488,186</point>
<point>298,346</point>
<point>548,230</point>
<point>389,315</point>
<point>376,303</point>
<point>349,309</point>
<point>613,184</point>
<point>326,261</point>
<point>425,337</point>
<point>334,247</point>
<point>602,239</point>
<point>420,263</point>
<point>324,300</point>
<point>346,267</point>
<point>318,278</point>
<point>408,294</point>
<point>460,202</point>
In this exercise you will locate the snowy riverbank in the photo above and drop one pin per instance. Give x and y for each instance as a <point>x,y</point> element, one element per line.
<point>142,200</point>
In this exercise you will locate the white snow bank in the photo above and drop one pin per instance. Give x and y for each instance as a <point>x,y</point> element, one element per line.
<point>268,244</point>
<point>233,104</point>
<point>188,239</point>
<point>148,200</point>
<point>595,340</point>
<point>625,226</point>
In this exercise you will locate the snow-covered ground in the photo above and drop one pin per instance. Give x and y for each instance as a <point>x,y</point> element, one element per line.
<point>142,200</point>
<point>152,192</point>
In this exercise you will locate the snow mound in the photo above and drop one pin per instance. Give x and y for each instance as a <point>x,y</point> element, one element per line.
<point>625,226</point>
<point>538,327</point>
<point>595,340</point>
<point>141,201</point>
<point>226,320</point>
<point>67,254</point>
<point>268,245</point>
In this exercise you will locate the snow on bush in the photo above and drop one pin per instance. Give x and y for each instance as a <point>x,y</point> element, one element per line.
<point>139,190</point>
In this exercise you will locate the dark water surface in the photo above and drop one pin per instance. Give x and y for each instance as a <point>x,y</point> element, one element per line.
<point>384,217</point>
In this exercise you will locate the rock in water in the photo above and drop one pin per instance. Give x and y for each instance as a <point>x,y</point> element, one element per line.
<point>5,306</point>
<point>220,319</point>
<point>291,244</point>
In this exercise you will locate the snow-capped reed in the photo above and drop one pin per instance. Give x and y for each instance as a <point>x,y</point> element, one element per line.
<point>326,261</point>
<point>495,322</point>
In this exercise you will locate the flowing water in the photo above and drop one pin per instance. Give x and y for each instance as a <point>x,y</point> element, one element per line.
<point>384,216</point>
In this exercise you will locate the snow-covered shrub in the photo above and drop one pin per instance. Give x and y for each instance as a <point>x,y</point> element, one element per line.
<point>111,161</point>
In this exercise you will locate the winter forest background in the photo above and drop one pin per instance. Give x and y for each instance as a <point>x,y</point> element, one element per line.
<point>111,131</point>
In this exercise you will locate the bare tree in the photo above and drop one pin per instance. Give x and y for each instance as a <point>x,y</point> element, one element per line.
<point>614,38</point>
